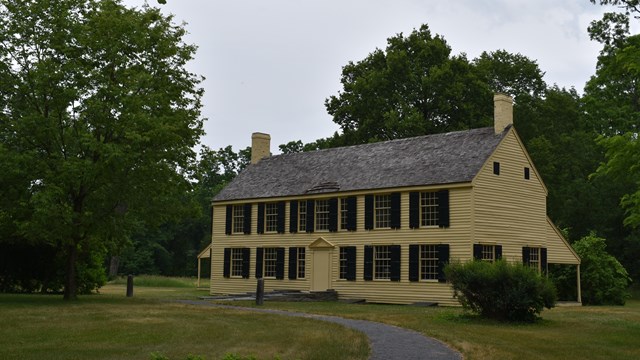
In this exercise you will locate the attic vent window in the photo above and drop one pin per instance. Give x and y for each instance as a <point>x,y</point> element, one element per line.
<point>496,168</point>
<point>324,187</point>
<point>527,174</point>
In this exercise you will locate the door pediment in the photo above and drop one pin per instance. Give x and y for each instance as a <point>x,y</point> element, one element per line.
<point>321,243</point>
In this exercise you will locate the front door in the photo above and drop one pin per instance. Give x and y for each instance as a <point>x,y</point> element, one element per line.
<point>321,272</point>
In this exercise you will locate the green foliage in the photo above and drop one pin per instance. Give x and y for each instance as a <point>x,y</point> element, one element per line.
<point>604,280</point>
<point>98,123</point>
<point>501,291</point>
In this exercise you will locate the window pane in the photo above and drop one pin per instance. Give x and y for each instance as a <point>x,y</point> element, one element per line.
<point>343,214</point>
<point>238,218</point>
<point>343,263</point>
<point>271,217</point>
<point>488,253</point>
<point>428,262</point>
<point>301,263</point>
<point>322,214</point>
<point>429,208</point>
<point>382,262</point>
<point>236,262</point>
<point>269,263</point>
<point>534,258</point>
<point>302,216</point>
<point>383,211</point>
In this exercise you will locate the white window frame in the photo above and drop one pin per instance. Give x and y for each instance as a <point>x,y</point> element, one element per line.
<point>429,211</point>
<point>270,217</point>
<point>382,211</point>
<point>382,262</point>
<point>321,215</point>
<point>429,262</point>
<point>236,263</point>
<point>269,263</point>
<point>237,219</point>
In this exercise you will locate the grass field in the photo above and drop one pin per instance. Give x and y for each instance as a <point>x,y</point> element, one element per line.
<point>593,332</point>
<point>110,326</point>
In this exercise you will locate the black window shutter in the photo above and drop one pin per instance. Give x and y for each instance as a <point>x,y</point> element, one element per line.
<point>259,255</point>
<point>414,210</point>
<point>543,260</point>
<point>477,252</point>
<point>443,260</point>
<point>351,262</point>
<point>368,262</point>
<point>246,261</point>
<point>498,252</point>
<point>293,216</point>
<point>280,263</point>
<point>368,212</point>
<point>311,218</point>
<point>525,255</point>
<point>414,262</point>
<point>395,211</point>
<point>395,262</point>
<point>443,208</point>
<point>260,229</point>
<point>226,270</point>
<point>352,211</point>
<point>281,215</point>
<point>247,219</point>
<point>333,214</point>
<point>293,263</point>
<point>227,223</point>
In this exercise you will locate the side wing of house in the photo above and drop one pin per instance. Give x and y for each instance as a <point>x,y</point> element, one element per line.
<point>509,207</point>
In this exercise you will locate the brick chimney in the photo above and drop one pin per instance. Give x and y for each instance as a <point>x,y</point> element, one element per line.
<point>502,112</point>
<point>260,146</point>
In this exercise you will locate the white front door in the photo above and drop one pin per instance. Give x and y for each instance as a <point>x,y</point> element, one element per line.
<point>321,270</point>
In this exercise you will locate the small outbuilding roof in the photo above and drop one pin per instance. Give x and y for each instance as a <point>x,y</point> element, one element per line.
<point>454,157</point>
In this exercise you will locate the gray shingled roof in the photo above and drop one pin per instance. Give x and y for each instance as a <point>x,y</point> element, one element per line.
<point>454,157</point>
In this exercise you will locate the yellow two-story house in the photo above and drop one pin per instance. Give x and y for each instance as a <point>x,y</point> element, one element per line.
<point>379,221</point>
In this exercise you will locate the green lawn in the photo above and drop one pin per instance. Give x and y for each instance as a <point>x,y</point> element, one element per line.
<point>595,332</point>
<point>110,326</point>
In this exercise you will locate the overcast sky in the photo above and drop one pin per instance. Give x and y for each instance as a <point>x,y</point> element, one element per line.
<point>270,64</point>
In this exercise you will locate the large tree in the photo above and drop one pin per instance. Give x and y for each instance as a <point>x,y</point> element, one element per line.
<point>98,117</point>
<point>416,87</point>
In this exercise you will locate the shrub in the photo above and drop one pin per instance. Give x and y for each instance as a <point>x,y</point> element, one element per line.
<point>604,280</point>
<point>500,290</point>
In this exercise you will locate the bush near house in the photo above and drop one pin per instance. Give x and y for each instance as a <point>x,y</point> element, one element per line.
<point>604,280</point>
<point>501,291</point>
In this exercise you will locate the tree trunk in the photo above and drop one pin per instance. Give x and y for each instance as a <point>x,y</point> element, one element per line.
<point>70,279</point>
<point>113,266</point>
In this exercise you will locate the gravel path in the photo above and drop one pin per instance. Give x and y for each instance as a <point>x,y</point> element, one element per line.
<point>387,342</point>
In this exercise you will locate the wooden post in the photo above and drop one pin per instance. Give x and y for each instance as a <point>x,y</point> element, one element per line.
<point>130,286</point>
<point>260,292</point>
<point>198,284</point>
<point>579,290</point>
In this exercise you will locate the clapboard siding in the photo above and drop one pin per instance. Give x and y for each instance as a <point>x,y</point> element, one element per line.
<point>558,250</point>
<point>508,209</point>
<point>457,236</point>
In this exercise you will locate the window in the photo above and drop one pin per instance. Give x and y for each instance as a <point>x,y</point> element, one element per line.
<point>381,262</point>
<point>527,173</point>
<point>488,253</point>
<point>343,263</point>
<point>428,262</point>
<point>301,260</point>
<point>236,262</point>
<point>429,209</point>
<point>496,168</point>
<point>270,261</point>
<point>271,217</point>
<point>302,215</point>
<point>382,209</point>
<point>534,258</point>
<point>348,263</point>
<point>238,219</point>
<point>343,213</point>
<point>322,215</point>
